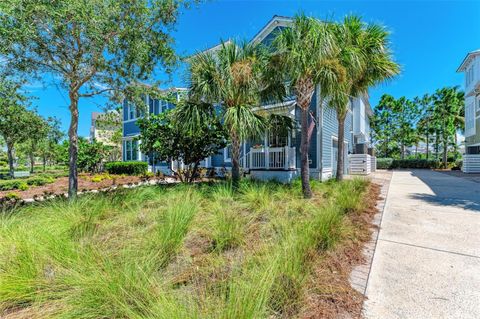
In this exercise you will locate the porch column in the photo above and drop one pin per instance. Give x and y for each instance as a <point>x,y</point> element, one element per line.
<point>267,155</point>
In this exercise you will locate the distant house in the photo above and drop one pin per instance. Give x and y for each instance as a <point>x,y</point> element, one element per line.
<point>276,156</point>
<point>471,67</point>
<point>103,128</point>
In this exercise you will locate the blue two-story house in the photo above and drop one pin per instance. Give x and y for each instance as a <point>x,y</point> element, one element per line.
<point>275,156</point>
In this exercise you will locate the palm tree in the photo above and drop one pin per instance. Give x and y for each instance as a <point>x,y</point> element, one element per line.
<point>304,52</point>
<point>366,59</point>
<point>236,78</point>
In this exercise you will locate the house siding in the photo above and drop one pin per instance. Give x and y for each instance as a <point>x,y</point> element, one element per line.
<point>330,130</point>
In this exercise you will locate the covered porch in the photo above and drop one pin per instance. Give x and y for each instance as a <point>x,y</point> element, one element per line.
<point>275,150</point>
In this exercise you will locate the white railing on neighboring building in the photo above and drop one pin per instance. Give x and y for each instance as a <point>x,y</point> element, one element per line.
<point>362,164</point>
<point>274,158</point>
<point>471,163</point>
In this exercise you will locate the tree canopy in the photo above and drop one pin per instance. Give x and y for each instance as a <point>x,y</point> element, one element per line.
<point>92,47</point>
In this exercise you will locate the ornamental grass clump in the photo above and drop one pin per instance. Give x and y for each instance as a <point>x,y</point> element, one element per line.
<point>183,251</point>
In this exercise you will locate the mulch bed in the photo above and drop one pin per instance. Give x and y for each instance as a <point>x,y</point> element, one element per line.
<point>60,186</point>
<point>330,293</point>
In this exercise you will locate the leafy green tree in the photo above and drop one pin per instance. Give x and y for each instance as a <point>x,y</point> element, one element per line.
<point>93,47</point>
<point>236,78</point>
<point>364,57</point>
<point>91,155</point>
<point>37,131</point>
<point>383,127</point>
<point>14,118</point>
<point>49,146</point>
<point>448,104</point>
<point>304,50</point>
<point>165,138</point>
<point>424,126</point>
<point>406,117</point>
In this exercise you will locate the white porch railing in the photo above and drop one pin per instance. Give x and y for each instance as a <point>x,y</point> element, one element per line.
<point>275,158</point>
<point>471,163</point>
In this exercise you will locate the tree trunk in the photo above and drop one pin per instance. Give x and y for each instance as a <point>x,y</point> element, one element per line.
<point>235,160</point>
<point>427,145</point>
<point>341,138</point>
<point>416,150</point>
<point>32,158</point>
<point>73,147</point>
<point>304,146</point>
<point>10,158</point>
<point>194,171</point>
<point>445,153</point>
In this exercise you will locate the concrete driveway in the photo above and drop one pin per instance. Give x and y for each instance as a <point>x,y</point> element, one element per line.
<point>427,259</point>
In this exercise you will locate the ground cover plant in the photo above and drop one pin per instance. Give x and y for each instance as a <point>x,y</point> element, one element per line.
<point>186,251</point>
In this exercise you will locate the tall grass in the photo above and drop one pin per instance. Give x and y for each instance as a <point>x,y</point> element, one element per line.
<point>121,255</point>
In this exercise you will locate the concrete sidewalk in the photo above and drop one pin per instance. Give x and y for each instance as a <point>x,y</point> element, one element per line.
<point>427,259</point>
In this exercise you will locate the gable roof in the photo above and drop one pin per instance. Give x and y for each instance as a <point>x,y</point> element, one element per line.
<point>276,21</point>
<point>467,59</point>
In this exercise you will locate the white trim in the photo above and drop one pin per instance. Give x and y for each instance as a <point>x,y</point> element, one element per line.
<point>276,21</point>
<point>467,60</point>
<point>226,159</point>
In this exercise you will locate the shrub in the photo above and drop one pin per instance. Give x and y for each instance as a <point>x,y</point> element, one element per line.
<point>384,163</point>
<point>388,163</point>
<point>458,165</point>
<point>13,196</point>
<point>128,168</point>
<point>22,184</point>
<point>100,177</point>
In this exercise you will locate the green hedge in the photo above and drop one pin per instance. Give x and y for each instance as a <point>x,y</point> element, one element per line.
<point>128,168</point>
<point>24,183</point>
<point>384,163</point>
<point>388,163</point>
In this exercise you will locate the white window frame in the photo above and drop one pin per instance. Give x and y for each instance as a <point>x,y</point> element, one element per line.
<point>226,159</point>
<point>125,150</point>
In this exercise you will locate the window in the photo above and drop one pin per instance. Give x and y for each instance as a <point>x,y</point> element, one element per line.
<point>469,118</point>
<point>278,139</point>
<point>469,76</point>
<point>130,150</point>
<point>478,103</point>
<point>227,154</point>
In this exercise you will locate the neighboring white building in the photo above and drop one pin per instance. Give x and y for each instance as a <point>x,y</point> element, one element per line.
<point>471,67</point>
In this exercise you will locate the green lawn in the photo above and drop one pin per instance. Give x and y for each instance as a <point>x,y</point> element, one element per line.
<point>174,252</point>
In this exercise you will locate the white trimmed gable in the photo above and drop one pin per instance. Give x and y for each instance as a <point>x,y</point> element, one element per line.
<point>276,21</point>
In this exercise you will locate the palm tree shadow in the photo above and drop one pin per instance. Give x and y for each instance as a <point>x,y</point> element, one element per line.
<point>448,190</point>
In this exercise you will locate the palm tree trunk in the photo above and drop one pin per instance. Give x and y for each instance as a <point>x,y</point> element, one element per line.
<point>73,147</point>
<point>10,159</point>
<point>304,145</point>
<point>235,160</point>
<point>341,138</point>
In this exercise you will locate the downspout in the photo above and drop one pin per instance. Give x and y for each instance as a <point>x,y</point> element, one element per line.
<point>320,135</point>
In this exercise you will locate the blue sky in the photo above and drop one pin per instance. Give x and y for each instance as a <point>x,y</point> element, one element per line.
<point>429,40</point>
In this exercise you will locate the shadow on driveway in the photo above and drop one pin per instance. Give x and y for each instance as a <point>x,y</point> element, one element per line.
<point>448,190</point>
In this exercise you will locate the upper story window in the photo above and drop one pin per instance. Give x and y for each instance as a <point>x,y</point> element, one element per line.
<point>470,75</point>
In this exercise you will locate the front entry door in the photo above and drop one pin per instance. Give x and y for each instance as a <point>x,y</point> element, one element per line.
<point>334,157</point>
